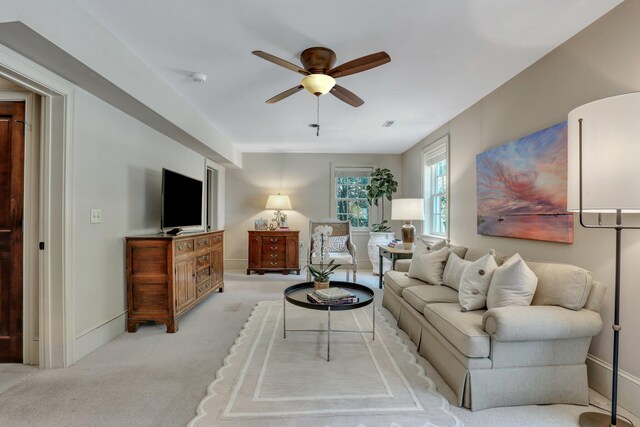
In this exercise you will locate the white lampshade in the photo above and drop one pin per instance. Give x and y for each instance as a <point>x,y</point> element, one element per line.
<point>407,209</point>
<point>610,155</point>
<point>278,202</point>
<point>318,84</point>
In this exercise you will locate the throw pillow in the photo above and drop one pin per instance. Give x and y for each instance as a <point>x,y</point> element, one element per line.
<point>513,283</point>
<point>337,244</point>
<point>461,251</point>
<point>453,270</point>
<point>429,267</point>
<point>474,283</point>
<point>436,246</point>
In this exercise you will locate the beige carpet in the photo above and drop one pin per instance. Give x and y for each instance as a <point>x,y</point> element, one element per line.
<point>289,381</point>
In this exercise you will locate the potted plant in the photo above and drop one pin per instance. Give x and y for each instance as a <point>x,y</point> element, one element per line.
<point>382,186</point>
<point>321,275</point>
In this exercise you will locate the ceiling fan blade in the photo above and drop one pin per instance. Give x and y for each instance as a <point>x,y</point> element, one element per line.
<point>283,95</point>
<point>346,96</point>
<point>280,62</point>
<point>361,64</point>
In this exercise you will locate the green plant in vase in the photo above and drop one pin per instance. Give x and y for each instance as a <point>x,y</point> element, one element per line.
<point>382,186</point>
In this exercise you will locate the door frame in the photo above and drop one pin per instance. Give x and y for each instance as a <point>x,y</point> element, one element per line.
<point>56,310</point>
<point>30,283</point>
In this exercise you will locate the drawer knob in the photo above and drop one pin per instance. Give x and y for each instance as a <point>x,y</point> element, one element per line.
<point>274,263</point>
<point>274,240</point>
<point>273,248</point>
<point>274,255</point>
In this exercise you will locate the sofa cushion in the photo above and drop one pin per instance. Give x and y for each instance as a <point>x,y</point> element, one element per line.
<point>402,265</point>
<point>564,285</point>
<point>474,283</point>
<point>453,271</point>
<point>419,296</point>
<point>397,281</point>
<point>474,254</point>
<point>462,329</point>
<point>513,283</point>
<point>429,266</point>
<point>460,251</point>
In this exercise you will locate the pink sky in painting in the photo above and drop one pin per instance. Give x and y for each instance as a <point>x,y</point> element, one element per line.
<point>522,188</point>
<point>525,176</point>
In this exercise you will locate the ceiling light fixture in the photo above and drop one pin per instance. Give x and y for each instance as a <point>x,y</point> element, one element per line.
<point>199,77</point>
<point>318,84</point>
<point>388,123</point>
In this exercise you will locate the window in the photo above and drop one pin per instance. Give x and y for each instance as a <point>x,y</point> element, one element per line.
<point>350,196</point>
<point>436,188</point>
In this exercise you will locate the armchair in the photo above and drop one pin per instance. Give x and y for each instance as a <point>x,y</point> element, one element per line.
<point>346,259</point>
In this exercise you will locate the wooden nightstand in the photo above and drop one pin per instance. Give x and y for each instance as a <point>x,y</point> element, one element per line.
<point>273,250</point>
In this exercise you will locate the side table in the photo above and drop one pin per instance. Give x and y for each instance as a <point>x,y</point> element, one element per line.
<point>392,254</point>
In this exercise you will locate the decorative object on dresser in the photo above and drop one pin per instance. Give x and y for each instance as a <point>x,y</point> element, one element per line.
<point>168,275</point>
<point>273,250</point>
<point>407,210</point>
<point>602,178</point>
<point>278,202</point>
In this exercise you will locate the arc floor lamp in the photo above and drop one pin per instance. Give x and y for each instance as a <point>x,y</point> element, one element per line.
<point>603,177</point>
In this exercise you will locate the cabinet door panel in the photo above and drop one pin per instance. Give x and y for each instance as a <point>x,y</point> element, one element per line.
<point>292,260</point>
<point>185,283</point>
<point>217,267</point>
<point>255,252</point>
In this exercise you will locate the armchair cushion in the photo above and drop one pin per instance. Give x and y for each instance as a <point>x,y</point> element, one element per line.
<point>337,244</point>
<point>339,258</point>
<point>539,323</point>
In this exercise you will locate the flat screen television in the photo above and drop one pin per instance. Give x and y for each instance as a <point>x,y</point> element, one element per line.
<point>181,202</point>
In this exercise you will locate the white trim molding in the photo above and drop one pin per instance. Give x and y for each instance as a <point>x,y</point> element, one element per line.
<point>600,375</point>
<point>56,311</point>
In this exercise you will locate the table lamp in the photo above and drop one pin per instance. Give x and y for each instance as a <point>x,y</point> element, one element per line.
<point>277,202</point>
<point>407,210</point>
<point>603,164</point>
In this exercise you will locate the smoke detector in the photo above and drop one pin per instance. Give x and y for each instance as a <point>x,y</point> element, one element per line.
<point>199,77</point>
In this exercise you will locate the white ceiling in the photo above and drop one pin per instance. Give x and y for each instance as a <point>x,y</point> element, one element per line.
<point>445,56</point>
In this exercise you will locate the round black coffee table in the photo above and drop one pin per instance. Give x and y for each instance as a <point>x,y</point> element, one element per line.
<point>297,295</point>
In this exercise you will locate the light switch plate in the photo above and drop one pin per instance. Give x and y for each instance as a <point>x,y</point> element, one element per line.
<point>96,216</point>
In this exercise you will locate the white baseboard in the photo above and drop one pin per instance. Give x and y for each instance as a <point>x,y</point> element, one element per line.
<point>600,375</point>
<point>99,336</point>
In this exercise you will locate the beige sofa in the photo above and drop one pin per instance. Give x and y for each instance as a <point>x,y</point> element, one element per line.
<point>509,355</point>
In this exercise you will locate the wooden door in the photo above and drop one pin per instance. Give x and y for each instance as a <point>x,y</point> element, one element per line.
<point>11,217</point>
<point>217,266</point>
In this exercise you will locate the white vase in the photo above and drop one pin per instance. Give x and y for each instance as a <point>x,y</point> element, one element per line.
<point>375,239</point>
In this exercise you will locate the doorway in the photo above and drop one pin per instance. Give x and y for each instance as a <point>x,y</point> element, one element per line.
<point>12,137</point>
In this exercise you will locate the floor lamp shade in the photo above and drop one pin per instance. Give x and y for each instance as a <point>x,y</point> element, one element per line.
<point>603,164</point>
<point>610,155</point>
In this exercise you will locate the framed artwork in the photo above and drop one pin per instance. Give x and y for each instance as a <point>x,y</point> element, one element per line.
<point>261,224</point>
<point>522,188</point>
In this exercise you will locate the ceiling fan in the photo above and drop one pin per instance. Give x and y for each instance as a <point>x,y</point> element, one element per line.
<point>320,75</point>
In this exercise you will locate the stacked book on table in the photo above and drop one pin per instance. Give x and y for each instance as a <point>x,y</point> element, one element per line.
<point>396,243</point>
<point>332,296</point>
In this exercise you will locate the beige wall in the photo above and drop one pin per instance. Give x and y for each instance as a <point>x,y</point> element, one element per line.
<point>603,60</point>
<point>306,178</point>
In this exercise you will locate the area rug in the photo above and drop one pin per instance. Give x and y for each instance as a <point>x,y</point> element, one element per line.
<point>267,380</point>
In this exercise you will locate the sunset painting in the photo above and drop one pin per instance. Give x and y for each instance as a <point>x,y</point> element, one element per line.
<point>522,188</point>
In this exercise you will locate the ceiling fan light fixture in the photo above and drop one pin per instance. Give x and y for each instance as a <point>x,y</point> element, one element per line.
<point>318,84</point>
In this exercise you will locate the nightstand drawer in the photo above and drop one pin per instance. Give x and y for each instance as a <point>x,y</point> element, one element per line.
<point>271,240</point>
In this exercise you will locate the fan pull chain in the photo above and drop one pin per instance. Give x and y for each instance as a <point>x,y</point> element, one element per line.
<point>318,118</point>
